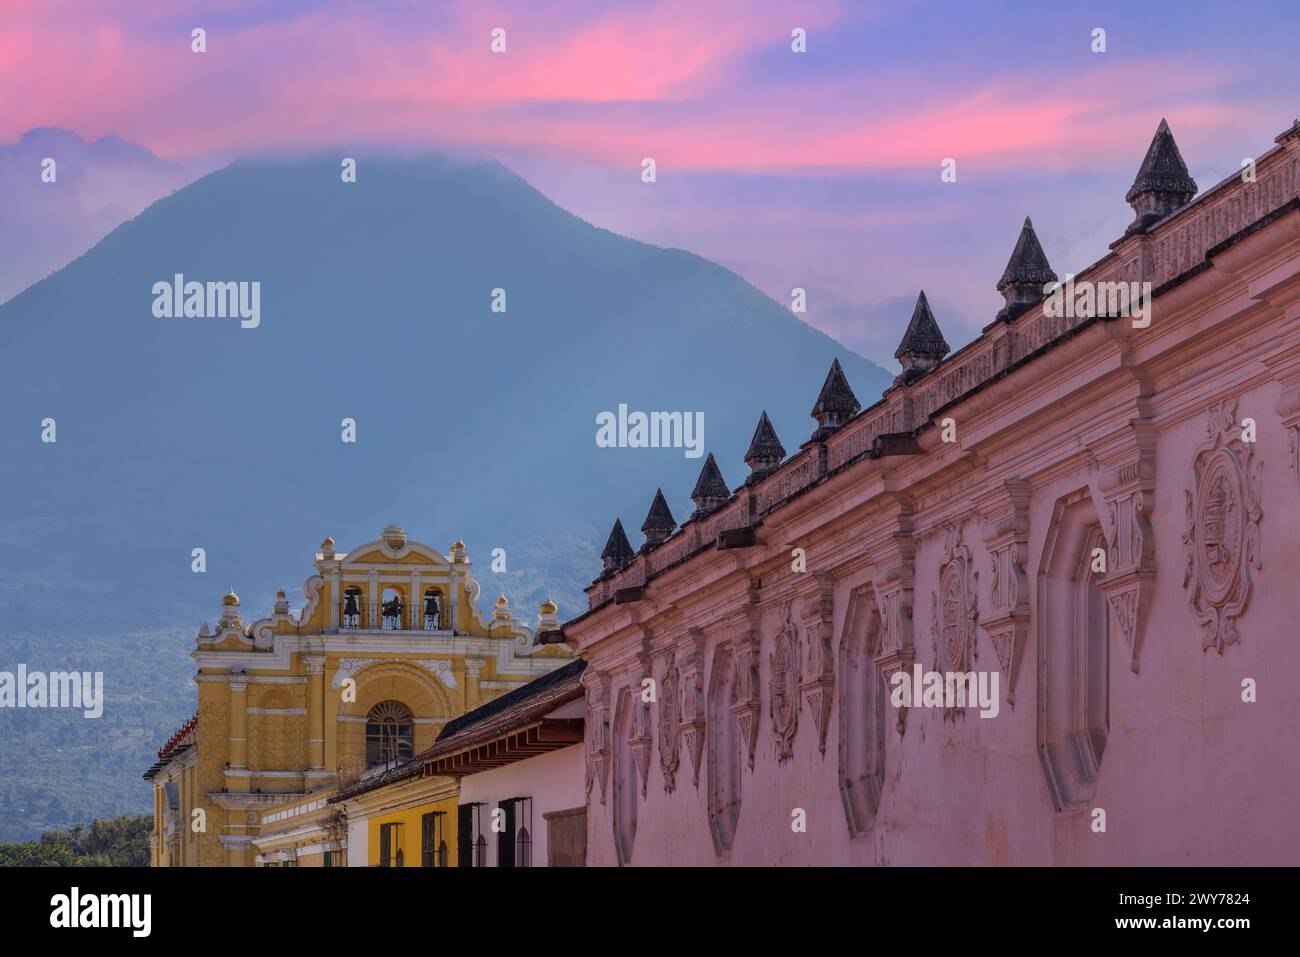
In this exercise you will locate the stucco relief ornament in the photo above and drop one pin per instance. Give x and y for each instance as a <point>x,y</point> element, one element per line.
<point>670,725</point>
<point>953,613</point>
<point>597,740</point>
<point>639,742</point>
<point>1222,538</point>
<point>746,705</point>
<point>817,672</point>
<point>783,701</point>
<point>691,698</point>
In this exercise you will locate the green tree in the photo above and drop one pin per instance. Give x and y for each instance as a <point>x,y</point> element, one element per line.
<point>121,841</point>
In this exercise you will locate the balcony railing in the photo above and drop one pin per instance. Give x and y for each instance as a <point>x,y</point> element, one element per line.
<point>389,618</point>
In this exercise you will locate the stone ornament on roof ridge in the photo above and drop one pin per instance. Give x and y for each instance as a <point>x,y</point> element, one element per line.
<point>659,522</point>
<point>1162,184</point>
<point>711,490</point>
<point>618,550</point>
<point>765,450</point>
<point>923,346</point>
<point>1026,275</point>
<point>836,403</point>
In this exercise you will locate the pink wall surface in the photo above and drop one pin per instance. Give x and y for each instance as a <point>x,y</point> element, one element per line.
<point>1120,690</point>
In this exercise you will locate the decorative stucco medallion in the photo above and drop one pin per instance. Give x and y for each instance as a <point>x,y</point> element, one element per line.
<point>1222,537</point>
<point>953,609</point>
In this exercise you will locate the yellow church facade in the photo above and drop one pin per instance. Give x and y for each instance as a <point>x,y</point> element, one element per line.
<point>294,709</point>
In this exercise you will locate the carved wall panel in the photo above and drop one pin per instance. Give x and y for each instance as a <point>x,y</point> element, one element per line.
<point>1005,511</point>
<point>597,737</point>
<point>783,689</point>
<point>1221,540</point>
<point>640,738</point>
<point>693,721</point>
<point>746,700</point>
<point>818,671</point>
<point>1127,495</point>
<point>894,588</point>
<point>670,718</point>
<point>953,607</point>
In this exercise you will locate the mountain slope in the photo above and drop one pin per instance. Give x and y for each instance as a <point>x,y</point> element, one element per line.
<point>375,305</point>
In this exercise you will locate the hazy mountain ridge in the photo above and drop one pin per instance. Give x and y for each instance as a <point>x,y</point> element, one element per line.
<point>174,434</point>
<point>375,306</point>
<point>97,185</point>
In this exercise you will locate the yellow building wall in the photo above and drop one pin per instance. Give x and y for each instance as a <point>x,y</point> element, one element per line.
<point>213,736</point>
<point>408,834</point>
<point>291,728</point>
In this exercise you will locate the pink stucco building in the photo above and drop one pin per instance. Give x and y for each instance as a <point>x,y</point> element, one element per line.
<point>1092,510</point>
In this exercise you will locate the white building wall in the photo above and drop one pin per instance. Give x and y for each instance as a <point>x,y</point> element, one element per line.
<point>358,842</point>
<point>555,781</point>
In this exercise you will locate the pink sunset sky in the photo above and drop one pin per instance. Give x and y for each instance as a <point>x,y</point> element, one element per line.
<point>818,169</point>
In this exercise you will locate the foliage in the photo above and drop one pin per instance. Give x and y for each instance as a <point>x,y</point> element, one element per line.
<point>121,841</point>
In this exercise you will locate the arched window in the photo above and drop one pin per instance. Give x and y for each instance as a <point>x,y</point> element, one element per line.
<point>863,694</point>
<point>431,618</point>
<point>353,612</point>
<point>391,608</point>
<point>433,846</point>
<point>523,848</point>
<point>390,734</point>
<point>724,752</point>
<point>1073,650</point>
<point>625,778</point>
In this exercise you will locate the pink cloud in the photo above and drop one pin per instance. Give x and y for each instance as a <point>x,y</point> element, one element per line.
<point>667,78</point>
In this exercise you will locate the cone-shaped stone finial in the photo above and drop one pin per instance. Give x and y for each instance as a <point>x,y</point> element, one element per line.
<point>1026,274</point>
<point>659,523</point>
<point>836,404</point>
<point>765,450</point>
<point>923,345</point>
<point>1162,184</point>
<point>618,551</point>
<point>711,489</point>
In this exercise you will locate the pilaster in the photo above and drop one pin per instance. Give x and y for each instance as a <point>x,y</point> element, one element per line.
<point>238,721</point>
<point>895,583</point>
<point>818,683</point>
<point>1126,488</point>
<point>691,656</point>
<point>1005,512</point>
<point>745,697</point>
